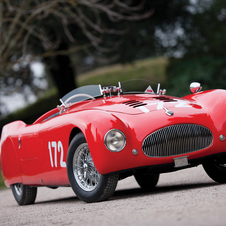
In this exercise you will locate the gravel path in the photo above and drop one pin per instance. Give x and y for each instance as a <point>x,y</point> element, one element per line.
<point>186,197</point>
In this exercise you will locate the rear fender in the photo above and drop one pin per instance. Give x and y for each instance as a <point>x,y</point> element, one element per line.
<point>9,161</point>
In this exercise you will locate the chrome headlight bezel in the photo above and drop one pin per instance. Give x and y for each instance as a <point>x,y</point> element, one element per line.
<point>115,135</point>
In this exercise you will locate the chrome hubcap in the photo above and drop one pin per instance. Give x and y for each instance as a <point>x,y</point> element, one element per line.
<point>18,189</point>
<point>84,170</point>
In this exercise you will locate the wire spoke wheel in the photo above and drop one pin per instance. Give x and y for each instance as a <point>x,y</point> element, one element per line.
<point>86,182</point>
<point>84,170</point>
<point>18,189</point>
<point>24,194</point>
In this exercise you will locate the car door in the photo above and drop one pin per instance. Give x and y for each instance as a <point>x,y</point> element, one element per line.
<point>28,148</point>
<point>53,138</point>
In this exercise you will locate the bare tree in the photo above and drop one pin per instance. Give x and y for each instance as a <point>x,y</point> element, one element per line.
<point>48,29</point>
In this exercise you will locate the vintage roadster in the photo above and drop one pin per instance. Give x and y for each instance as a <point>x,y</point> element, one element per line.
<point>99,135</point>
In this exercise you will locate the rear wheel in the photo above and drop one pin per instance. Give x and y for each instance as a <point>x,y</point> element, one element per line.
<point>147,181</point>
<point>86,182</point>
<point>216,169</point>
<point>24,194</point>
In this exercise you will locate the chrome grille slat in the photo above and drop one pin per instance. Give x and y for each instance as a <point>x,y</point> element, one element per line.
<point>177,139</point>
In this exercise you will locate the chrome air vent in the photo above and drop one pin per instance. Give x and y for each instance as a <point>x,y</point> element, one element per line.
<point>176,140</point>
<point>134,103</point>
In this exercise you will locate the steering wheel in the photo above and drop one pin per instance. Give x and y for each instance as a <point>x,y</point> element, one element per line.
<point>79,95</point>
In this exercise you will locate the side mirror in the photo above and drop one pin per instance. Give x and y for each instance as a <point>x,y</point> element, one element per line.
<point>195,87</point>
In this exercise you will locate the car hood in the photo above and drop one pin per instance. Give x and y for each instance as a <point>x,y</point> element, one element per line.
<point>139,104</point>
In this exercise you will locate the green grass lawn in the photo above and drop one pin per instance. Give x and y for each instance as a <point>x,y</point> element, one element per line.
<point>150,69</point>
<point>153,69</point>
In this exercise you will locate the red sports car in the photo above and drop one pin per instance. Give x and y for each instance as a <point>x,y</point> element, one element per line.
<point>99,135</point>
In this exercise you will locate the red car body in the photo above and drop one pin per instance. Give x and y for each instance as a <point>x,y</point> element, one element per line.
<point>36,155</point>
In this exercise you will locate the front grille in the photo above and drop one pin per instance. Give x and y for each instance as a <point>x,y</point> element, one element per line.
<point>176,140</point>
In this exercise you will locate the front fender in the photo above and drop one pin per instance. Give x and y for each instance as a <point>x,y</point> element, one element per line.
<point>214,104</point>
<point>95,124</point>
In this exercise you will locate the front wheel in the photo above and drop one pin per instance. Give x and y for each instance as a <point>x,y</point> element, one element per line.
<point>24,194</point>
<point>216,169</point>
<point>86,182</point>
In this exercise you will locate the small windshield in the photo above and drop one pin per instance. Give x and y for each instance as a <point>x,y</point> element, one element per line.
<point>90,90</point>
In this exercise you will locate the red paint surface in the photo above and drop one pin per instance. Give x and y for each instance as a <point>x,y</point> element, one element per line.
<point>30,162</point>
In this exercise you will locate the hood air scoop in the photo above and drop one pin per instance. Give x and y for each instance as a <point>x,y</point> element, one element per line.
<point>134,103</point>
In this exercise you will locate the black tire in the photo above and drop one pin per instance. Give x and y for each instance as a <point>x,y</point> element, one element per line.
<point>147,181</point>
<point>216,169</point>
<point>23,194</point>
<point>86,182</point>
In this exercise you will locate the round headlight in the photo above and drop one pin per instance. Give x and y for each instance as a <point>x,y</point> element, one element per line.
<point>115,140</point>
